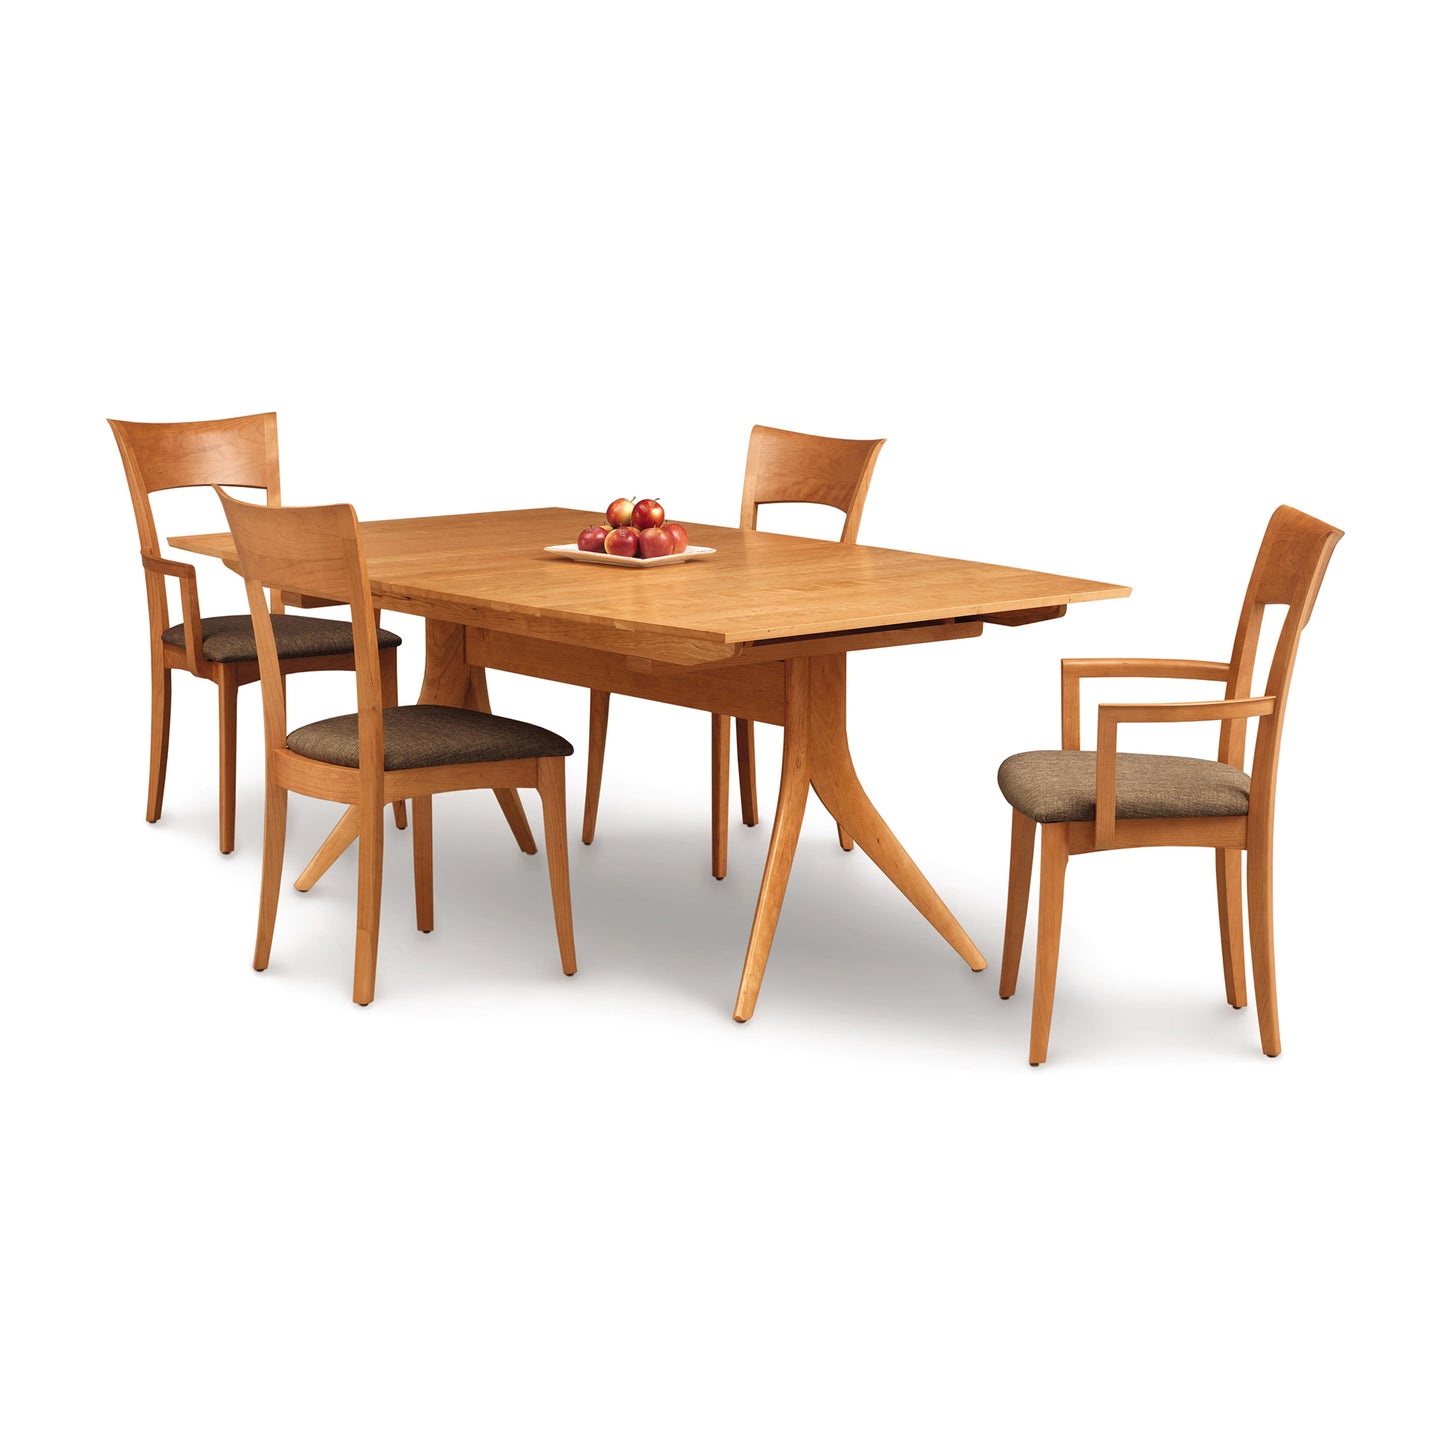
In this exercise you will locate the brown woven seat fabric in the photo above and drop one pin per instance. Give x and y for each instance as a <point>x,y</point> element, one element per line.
<point>424,736</point>
<point>231,639</point>
<point>1058,787</point>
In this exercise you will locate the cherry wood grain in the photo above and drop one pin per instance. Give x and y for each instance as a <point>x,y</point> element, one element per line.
<point>490,570</point>
<point>759,630</point>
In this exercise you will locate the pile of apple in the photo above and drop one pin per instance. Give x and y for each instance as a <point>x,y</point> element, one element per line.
<point>634,529</point>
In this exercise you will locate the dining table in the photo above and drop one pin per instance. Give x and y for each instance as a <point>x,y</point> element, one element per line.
<point>755,625</point>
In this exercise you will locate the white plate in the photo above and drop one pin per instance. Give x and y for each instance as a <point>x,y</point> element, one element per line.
<point>573,553</point>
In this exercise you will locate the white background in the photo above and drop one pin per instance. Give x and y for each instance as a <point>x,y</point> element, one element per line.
<point>1114,280</point>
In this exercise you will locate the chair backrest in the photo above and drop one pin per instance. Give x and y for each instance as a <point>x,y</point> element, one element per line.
<point>1288,570</point>
<point>316,550</point>
<point>239,451</point>
<point>790,466</point>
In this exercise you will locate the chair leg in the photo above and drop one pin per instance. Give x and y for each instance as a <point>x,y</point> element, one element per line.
<point>368,901</point>
<point>748,772</point>
<point>1259,873</point>
<point>1020,866</point>
<point>389,697</point>
<point>273,850</point>
<point>421,861</point>
<point>1228,884</point>
<point>720,795</point>
<point>552,785</point>
<point>1054,860</point>
<point>160,737</point>
<point>227,687</point>
<point>596,748</point>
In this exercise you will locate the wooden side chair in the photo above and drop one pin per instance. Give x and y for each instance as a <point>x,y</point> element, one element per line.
<point>239,451</point>
<point>1089,802</point>
<point>782,466</point>
<point>380,753</point>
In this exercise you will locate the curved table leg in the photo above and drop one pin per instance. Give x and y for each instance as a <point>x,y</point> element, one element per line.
<point>842,794</point>
<point>815,752</point>
<point>787,822</point>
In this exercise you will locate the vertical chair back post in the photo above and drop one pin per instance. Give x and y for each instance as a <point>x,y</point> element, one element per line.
<point>1288,570</point>
<point>317,551</point>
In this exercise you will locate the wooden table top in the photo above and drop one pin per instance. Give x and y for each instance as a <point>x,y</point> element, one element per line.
<point>490,569</point>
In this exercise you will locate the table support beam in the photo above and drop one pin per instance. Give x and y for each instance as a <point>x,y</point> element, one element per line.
<point>816,754</point>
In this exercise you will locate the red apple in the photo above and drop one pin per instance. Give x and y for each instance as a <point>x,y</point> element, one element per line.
<point>654,542</point>
<point>647,513</point>
<point>590,539</point>
<point>619,514</point>
<point>678,533</point>
<point>621,542</point>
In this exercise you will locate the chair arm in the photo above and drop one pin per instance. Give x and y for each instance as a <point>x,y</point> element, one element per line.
<point>1073,668</point>
<point>190,603</point>
<point>1107,756</point>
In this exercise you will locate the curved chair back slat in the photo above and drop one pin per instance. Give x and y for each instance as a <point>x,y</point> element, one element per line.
<point>789,466</point>
<point>1288,569</point>
<point>238,451</point>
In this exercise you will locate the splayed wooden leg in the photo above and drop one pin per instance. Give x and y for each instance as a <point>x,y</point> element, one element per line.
<point>837,785</point>
<point>337,841</point>
<point>787,823</point>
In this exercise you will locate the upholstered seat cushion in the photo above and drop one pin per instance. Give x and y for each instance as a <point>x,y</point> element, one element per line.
<point>1058,787</point>
<point>231,639</point>
<point>424,736</point>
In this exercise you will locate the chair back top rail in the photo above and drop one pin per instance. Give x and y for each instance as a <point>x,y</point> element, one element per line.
<point>789,466</point>
<point>238,451</point>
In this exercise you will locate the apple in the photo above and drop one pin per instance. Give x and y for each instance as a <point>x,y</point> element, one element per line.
<point>678,533</point>
<point>619,514</point>
<point>621,542</point>
<point>655,542</point>
<point>648,513</point>
<point>590,539</point>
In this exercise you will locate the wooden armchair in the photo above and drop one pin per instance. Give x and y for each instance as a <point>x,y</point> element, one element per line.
<point>381,753</point>
<point>782,466</point>
<point>240,451</point>
<point>1090,802</point>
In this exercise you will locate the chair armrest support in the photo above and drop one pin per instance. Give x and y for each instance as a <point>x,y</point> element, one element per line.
<point>1107,756</point>
<point>1073,668</point>
<point>185,573</point>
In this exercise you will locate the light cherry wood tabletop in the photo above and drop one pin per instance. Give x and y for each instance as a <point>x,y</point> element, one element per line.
<point>493,566</point>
